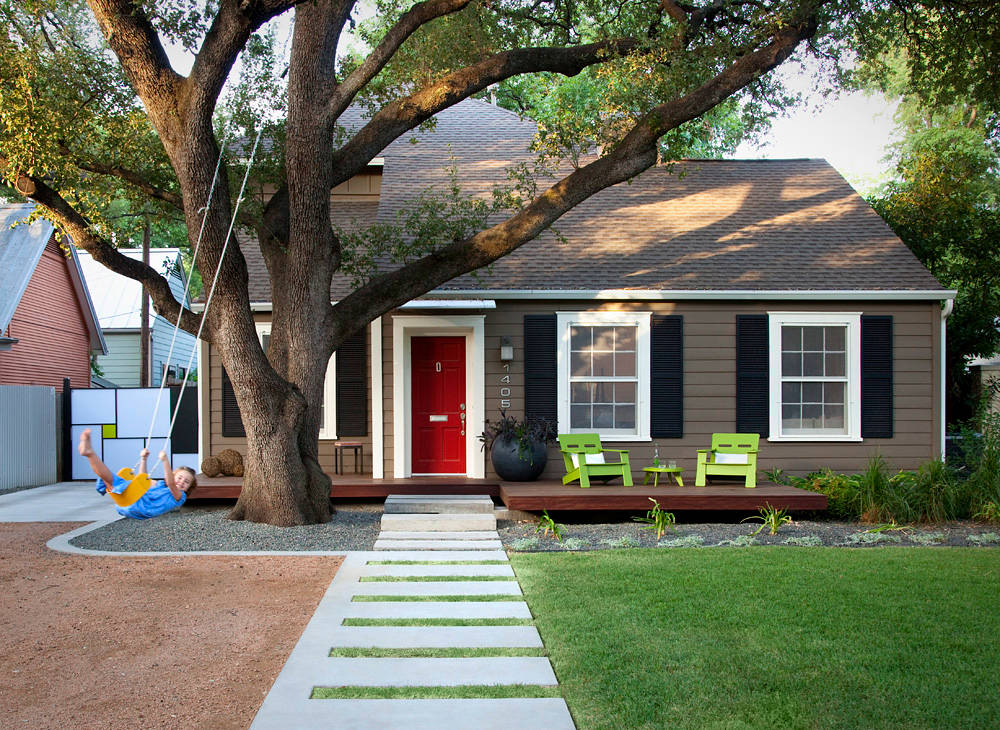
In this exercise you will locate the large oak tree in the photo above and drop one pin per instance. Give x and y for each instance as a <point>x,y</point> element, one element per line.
<point>88,117</point>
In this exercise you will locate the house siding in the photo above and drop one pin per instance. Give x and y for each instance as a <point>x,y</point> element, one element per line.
<point>162,333</point>
<point>53,339</point>
<point>121,364</point>
<point>709,385</point>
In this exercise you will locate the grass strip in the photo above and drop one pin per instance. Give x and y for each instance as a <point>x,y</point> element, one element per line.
<point>771,637</point>
<point>437,652</point>
<point>474,598</point>
<point>437,562</point>
<point>433,578</point>
<point>437,622</point>
<point>460,692</point>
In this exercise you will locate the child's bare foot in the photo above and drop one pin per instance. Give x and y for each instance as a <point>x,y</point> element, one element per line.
<point>85,447</point>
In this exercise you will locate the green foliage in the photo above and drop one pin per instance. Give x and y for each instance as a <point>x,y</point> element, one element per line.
<point>739,541</point>
<point>984,538</point>
<point>687,541</point>
<point>574,543</point>
<point>928,538</point>
<point>770,517</point>
<point>989,512</point>
<point>524,543</point>
<point>658,520</point>
<point>777,476</point>
<point>842,497</point>
<point>547,526</point>
<point>804,540</point>
<point>525,432</point>
<point>871,538</point>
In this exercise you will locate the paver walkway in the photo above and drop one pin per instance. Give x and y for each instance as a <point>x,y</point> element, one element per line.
<point>436,561</point>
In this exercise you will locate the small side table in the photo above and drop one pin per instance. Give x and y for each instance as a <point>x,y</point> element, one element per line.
<point>339,447</point>
<point>655,471</point>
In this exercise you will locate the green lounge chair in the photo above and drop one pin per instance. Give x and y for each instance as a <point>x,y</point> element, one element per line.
<point>732,454</point>
<point>585,460</point>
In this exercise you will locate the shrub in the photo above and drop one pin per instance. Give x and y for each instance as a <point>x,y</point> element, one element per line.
<point>935,493</point>
<point>688,541</point>
<point>871,538</point>
<point>739,541</point>
<point>884,498</point>
<point>983,460</point>
<point>927,538</point>
<point>574,543</point>
<point>525,543</point>
<point>841,492</point>
<point>625,541</point>
<point>804,541</point>
<point>984,538</point>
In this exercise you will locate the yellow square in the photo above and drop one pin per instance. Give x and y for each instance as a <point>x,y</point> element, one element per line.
<point>109,431</point>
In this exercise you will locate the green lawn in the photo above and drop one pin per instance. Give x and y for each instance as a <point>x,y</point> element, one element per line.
<point>772,637</point>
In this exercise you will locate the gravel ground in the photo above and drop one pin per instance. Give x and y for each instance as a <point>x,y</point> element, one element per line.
<point>603,536</point>
<point>355,527</point>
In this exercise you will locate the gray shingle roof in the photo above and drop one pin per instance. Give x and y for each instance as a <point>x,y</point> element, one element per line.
<point>766,225</point>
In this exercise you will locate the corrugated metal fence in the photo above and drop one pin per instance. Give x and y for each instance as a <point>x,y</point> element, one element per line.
<point>28,436</point>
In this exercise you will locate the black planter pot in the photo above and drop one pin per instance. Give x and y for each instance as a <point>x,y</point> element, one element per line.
<point>510,467</point>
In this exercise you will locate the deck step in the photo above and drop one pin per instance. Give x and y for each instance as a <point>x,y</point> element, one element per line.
<point>438,504</point>
<point>438,522</point>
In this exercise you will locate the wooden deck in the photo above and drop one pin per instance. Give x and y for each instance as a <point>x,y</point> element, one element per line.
<point>553,495</point>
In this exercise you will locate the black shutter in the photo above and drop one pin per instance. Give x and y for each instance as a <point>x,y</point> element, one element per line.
<point>232,422</point>
<point>752,378</point>
<point>540,367</point>
<point>666,369</point>
<point>876,377</point>
<point>352,387</point>
<point>184,436</point>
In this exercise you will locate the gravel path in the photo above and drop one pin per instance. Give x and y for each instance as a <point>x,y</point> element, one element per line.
<point>355,527</point>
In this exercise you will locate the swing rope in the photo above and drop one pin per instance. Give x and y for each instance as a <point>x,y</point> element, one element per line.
<point>211,293</point>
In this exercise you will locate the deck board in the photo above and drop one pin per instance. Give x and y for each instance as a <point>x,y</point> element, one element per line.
<point>553,495</point>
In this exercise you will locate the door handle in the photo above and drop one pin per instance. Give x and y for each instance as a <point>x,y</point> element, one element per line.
<point>461,417</point>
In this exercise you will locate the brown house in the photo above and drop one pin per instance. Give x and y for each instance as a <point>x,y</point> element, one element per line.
<point>707,296</point>
<point>48,327</point>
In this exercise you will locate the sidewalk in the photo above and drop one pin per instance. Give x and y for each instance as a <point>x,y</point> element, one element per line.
<point>61,502</point>
<point>390,579</point>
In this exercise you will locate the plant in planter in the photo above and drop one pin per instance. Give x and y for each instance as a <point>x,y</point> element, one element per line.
<point>518,447</point>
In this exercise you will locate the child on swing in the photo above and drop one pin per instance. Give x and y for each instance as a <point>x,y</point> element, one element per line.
<point>164,495</point>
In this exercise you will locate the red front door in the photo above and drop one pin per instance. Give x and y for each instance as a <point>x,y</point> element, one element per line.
<point>437,395</point>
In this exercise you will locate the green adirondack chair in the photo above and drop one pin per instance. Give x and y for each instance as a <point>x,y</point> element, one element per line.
<point>585,460</point>
<point>732,454</point>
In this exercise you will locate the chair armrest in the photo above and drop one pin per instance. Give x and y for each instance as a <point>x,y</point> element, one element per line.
<point>616,451</point>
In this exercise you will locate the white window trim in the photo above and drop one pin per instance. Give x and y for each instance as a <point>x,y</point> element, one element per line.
<point>327,429</point>
<point>852,415</point>
<point>640,320</point>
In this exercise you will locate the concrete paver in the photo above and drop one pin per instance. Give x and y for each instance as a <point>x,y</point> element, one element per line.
<point>388,543</point>
<point>61,502</point>
<point>433,672</point>
<point>440,588</point>
<point>439,570</point>
<point>409,637</point>
<point>438,523</point>
<point>440,609</point>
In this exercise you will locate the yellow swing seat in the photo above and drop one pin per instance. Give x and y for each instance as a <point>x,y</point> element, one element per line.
<point>138,485</point>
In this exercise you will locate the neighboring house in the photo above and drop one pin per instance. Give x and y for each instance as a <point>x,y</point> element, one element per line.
<point>118,301</point>
<point>48,326</point>
<point>710,296</point>
<point>989,379</point>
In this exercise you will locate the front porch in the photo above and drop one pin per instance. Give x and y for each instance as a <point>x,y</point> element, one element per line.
<point>553,495</point>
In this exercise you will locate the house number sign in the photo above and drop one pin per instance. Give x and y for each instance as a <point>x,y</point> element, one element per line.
<point>505,387</point>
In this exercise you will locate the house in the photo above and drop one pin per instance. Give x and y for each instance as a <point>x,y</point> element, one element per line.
<point>48,326</point>
<point>708,296</point>
<point>989,379</point>
<point>118,301</point>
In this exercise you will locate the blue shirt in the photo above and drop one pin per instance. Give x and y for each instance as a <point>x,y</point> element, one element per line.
<point>156,501</point>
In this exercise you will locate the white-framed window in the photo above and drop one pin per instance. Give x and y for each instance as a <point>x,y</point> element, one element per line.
<point>603,374</point>
<point>815,376</point>
<point>328,408</point>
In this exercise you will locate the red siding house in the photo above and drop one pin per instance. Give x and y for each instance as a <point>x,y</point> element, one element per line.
<point>48,327</point>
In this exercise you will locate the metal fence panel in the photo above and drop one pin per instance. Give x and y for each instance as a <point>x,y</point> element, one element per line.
<point>28,436</point>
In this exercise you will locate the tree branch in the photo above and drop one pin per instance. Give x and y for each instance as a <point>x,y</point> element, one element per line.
<point>408,23</point>
<point>121,173</point>
<point>83,235</point>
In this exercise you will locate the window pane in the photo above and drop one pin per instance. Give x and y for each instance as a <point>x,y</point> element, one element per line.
<point>812,364</point>
<point>604,417</point>
<point>833,393</point>
<point>835,338</point>
<point>579,363</point>
<point>791,338</point>
<point>581,392</point>
<point>812,415</point>
<point>579,338</point>
<point>812,339</point>
<point>605,393</point>
<point>791,417</point>
<point>833,417</point>
<point>812,392</point>
<point>835,364</point>
<point>604,338</point>
<point>624,338</point>
<point>625,417</point>
<point>603,364</point>
<point>624,392</point>
<point>265,340</point>
<point>579,417</point>
<point>791,392</point>
<point>625,364</point>
<point>791,364</point>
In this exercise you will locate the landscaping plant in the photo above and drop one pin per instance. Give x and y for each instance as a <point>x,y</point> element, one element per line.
<point>547,525</point>
<point>658,520</point>
<point>771,518</point>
